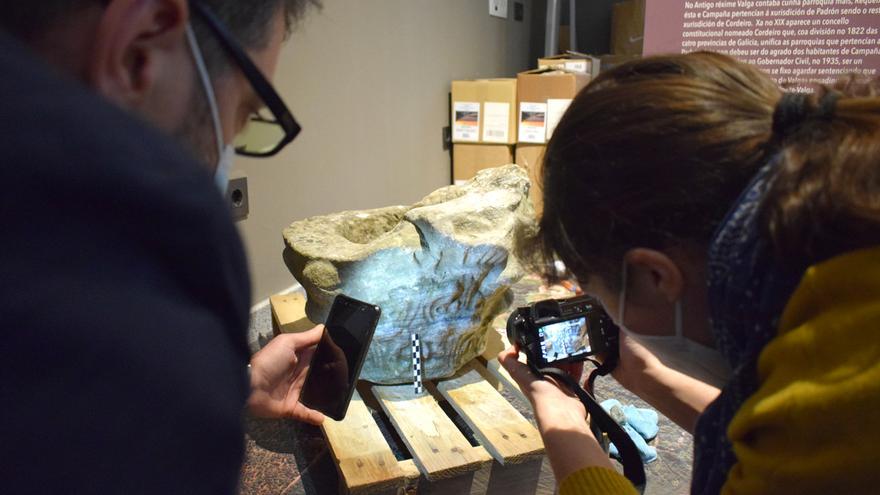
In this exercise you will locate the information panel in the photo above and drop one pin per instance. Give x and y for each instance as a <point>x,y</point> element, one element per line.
<point>795,41</point>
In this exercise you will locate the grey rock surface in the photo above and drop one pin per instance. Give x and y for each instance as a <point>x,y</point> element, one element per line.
<point>441,268</point>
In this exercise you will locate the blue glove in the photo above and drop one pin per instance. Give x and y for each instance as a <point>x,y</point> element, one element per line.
<point>644,421</point>
<point>639,424</point>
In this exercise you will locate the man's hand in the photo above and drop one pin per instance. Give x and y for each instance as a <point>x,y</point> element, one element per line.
<point>277,375</point>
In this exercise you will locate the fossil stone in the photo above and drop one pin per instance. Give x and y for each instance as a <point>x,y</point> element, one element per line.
<point>441,268</point>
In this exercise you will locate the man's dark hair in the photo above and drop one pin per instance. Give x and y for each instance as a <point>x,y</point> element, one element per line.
<point>247,20</point>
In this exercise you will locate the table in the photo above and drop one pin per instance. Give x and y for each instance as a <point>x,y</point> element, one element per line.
<point>287,458</point>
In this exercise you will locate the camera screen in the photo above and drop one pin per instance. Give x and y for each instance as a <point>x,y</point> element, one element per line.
<point>564,339</point>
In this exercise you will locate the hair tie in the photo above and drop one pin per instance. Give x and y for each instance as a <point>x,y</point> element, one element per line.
<point>790,112</point>
<point>828,105</point>
<point>793,109</point>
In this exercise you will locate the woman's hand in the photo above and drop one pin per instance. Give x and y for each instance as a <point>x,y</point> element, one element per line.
<point>550,402</point>
<point>636,364</point>
<point>277,375</point>
<point>676,395</point>
<point>561,418</point>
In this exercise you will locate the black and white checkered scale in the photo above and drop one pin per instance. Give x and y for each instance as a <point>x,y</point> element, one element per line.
<point>417,363</point>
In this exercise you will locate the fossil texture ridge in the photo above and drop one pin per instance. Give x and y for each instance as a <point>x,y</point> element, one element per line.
<point>441,268</point>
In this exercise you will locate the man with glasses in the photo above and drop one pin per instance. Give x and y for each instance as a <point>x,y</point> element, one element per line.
<point>124,290</point>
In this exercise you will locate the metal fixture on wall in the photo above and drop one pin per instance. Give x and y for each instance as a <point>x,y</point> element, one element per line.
<point>551,30</point>
<point>237,198</point>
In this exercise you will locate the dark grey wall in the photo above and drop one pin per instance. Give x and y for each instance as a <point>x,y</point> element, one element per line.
<point>593,24</point>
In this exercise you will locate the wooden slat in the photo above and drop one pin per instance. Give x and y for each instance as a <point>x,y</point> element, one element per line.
<point>499,373</point>
<point>289,313</point>
<point>438,448</point>
<point>499,427</point>
<point>365,461</point>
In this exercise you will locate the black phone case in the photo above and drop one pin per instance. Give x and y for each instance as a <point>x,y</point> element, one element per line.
<point>340,415</point>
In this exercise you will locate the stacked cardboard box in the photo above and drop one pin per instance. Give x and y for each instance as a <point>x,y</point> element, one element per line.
<point>572,62</point>
<point>490,115</point>
<point>483,125</point>
<point>468,159</point>
<point>543,96</point>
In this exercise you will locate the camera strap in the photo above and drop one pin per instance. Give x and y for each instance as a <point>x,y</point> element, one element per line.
<point>633,468</point>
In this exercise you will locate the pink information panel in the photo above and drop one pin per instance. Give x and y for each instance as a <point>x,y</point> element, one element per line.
<point>797,42</point>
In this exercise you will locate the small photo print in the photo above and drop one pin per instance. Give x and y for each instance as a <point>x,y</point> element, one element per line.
<point>533,118</point>
<point>467,117</point>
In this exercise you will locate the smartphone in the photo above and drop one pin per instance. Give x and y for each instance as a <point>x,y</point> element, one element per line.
<point>339,356</point>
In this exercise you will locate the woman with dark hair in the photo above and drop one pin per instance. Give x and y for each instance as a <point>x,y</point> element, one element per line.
<point>733,233</point>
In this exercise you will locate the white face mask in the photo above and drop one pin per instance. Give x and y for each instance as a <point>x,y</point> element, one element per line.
<point>676,351</point>
<point>221,175</point>
<point>225,152</point>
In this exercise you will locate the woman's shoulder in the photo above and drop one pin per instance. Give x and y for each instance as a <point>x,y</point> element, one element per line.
<point>805,429</point>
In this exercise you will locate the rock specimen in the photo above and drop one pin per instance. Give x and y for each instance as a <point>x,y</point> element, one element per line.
<point>441,268</point>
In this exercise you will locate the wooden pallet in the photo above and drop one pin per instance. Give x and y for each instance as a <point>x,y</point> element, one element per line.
<point>443,461</point>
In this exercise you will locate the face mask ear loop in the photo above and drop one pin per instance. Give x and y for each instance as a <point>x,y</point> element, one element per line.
<point>622,303</point>
<point>206,85</point>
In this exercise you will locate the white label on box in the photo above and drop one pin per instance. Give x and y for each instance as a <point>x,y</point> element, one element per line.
<point>496,122</point>
<point>576,66</point>
<point>460,182</point>
<point>532,122</point>
<point>555,110</point>
<point>466,121</point>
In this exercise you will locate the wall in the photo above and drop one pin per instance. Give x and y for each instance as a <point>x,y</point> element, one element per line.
<point>593,23</point>
<point>368,81</point>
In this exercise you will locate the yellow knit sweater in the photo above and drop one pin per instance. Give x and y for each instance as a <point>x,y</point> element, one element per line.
<point>813,426</point>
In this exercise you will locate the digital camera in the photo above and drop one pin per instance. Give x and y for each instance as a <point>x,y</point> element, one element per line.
<point>557,331</point>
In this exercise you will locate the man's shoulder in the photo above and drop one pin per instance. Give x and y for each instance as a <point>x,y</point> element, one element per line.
<point>102,183</point>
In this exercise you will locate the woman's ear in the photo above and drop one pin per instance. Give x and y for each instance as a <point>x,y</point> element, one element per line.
<point>654,274</point>
<point>135,41</point>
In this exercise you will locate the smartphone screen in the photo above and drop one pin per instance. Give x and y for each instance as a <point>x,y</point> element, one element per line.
<point>338,358</point>
<point>564,339</point>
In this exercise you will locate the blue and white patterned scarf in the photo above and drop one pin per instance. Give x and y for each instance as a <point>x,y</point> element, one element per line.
<point>748,290</point>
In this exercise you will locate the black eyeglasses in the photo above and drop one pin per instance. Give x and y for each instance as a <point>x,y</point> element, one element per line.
<point>271,129</point>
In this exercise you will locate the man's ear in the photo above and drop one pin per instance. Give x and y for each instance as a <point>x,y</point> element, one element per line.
<point>653,272</point>
<point>134,39</point>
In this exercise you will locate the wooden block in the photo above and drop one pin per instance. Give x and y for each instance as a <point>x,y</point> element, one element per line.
<point>289,313</point>
<point>365,461</point>
<point>515,479</point>
<point>499,427</point>
<point>438,448</point>
<point>460,484</point>
<point>411,474</point>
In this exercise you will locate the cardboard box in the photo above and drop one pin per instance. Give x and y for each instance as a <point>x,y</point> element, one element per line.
<point>468,159</point>
<point>543,95</point>
<point>531,157</point>
<point>573,62</point>
<point>628,27</point>
<point>484,111</point>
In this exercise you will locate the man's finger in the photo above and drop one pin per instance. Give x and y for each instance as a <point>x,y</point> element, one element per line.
<point>309,337</point>
<point>306,415</point>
